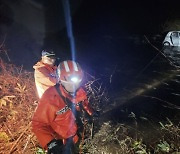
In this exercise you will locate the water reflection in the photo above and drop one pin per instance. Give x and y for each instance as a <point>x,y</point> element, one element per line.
<point>172,53</point>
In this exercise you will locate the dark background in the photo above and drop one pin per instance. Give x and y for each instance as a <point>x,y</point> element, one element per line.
<point>101,28</point>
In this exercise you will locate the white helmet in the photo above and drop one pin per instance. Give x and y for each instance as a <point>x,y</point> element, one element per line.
<point>49,54</point>
<point>70,75</point>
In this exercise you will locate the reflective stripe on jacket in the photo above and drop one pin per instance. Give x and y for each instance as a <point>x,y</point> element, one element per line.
<point>44,77</point>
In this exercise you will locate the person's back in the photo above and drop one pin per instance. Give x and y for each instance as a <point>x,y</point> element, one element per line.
<point>45,72</point>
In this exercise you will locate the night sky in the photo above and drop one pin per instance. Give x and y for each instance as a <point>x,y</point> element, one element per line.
<point>117,17</point>
<point>33,25</point>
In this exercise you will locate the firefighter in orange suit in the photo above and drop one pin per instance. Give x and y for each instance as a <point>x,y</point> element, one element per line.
<point>45,72</point>
<point>54,122</point>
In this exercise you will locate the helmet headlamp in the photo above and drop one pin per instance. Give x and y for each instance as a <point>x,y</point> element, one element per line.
<point>70,75</point>
<point>74,79</point>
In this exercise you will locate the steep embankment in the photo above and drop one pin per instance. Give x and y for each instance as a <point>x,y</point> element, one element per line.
<point>132,134</point>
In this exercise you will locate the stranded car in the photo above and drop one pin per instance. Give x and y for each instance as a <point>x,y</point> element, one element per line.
<point>172,39</point>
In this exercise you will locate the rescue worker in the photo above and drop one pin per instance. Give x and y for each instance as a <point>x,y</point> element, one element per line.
<point>45,72</point>
<point>54,122</point>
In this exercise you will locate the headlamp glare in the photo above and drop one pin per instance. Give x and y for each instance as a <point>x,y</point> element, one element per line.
<point>74,79</point>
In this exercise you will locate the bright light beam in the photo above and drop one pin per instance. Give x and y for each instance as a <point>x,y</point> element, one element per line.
<point>67,14</point>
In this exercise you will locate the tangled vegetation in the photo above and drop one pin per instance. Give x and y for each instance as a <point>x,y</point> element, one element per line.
<point>17,104</point>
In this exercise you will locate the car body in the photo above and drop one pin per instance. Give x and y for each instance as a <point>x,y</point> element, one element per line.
<point>172,39</point>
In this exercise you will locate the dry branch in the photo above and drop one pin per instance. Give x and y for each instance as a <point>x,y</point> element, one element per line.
<point>15,144</point>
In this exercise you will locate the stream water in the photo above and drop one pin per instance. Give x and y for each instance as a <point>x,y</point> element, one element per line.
<point>140,80</point>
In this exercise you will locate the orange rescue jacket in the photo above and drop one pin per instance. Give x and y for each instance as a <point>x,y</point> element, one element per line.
<point>50,122</point>
<point>44,77</point>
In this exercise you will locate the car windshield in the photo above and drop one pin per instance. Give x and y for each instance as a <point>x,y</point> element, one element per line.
<point>175,34</point>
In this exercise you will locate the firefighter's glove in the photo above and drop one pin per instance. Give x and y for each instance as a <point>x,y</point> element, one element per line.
<point>55,147</point>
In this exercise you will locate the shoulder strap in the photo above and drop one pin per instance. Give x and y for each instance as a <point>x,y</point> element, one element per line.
<point>66,100</point>
<point>58,90</point>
